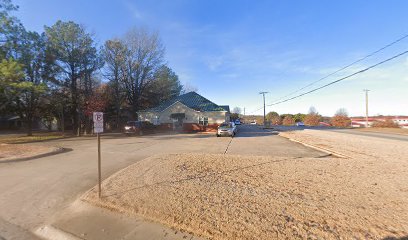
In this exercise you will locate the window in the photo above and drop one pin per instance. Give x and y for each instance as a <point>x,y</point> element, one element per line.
<point>156,120</point>
<point>203,121</point>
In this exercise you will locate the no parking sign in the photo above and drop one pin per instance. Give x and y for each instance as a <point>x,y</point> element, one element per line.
<point>98,122</point>
<point>98,128</point>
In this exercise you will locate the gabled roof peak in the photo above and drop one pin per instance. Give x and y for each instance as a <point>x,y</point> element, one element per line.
<point>192,100</point>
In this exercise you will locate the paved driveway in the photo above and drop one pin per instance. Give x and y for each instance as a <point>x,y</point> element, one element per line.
<point>33,191</point>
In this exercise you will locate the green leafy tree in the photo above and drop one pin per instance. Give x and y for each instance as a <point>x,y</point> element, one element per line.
<point>32,58</point>
<point>274,118</point>
<point>288,120</point>
<point>10,28</point>
<point>299,117</point>
<point>165,86</point>
<point>75,57</point>
<point>271,115</point>
<point>11,73</point>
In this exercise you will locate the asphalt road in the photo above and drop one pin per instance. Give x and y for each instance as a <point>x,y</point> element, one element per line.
<point>390,136</point>
<point>33,191</point>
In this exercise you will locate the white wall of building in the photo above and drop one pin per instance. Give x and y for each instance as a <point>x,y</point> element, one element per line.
<point>191,116</point>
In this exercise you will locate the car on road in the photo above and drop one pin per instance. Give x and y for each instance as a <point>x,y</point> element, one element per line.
<point>300,124</point>
<point>227,129</point>
<point>138,127</point>
<point>237,122</point>
<point>253,122</point>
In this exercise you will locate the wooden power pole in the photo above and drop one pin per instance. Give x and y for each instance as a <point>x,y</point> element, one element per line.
<point>366,98</point>
<point>264,117</point>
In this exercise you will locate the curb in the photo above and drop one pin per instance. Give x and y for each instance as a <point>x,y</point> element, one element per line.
<point>52,233</point>
<point>53,152</point>
<point>339,155</point>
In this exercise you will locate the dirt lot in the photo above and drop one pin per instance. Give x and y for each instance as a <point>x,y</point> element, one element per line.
<point>245,197</point>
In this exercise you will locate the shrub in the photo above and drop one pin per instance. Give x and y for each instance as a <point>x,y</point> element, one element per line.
<point>288,121</point>
<point>312,119</point>
<point>385,124</point>
<point>340,121</point>
<point>276,120</point>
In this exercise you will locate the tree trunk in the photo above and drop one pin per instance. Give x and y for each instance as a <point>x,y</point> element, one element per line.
<point>63,122</point>
<point>29,126</point>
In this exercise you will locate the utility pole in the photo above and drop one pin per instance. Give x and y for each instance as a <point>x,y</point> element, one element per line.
<point>244,111</point>
<point>263,94</point>
<point>366,97</point>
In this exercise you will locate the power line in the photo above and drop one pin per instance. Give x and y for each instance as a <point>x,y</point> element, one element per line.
<point>341,69</point>
<point>341,79</point>
<point>345,67</point>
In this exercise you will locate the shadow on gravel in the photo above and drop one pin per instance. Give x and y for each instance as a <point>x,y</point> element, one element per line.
<point>396,238</point>
<point>63,150</point>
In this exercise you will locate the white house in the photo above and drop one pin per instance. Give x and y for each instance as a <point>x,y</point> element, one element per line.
<point>187,112</point>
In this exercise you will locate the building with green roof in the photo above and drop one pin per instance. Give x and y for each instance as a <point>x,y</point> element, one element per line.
<point>187,112</point>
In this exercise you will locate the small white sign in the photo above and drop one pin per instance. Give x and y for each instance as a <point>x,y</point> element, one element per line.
<point>98,122</point>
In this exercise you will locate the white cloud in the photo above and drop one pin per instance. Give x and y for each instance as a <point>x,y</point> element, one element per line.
<point>133,10</point>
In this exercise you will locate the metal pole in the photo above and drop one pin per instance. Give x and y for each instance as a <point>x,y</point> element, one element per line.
<point>99,164</point>
<point>366,96</point>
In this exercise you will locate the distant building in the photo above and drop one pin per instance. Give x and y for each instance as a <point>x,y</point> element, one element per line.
<point>187,112</point>
<point>402,121</point>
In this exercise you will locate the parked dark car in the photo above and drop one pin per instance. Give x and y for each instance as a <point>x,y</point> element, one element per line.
<point>138,127</point>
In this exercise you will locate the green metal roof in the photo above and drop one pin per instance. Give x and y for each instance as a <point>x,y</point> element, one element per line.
<point>192,100</point>
<point>226,107</point>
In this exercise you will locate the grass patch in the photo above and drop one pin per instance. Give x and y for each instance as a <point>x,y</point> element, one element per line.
<point>38,137</point>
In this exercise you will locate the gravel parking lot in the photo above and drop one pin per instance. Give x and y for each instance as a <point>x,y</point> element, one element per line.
<point>34,191</point>
<point>244,197</point>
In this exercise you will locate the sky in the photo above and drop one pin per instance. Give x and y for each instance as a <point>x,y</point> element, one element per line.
<point>231,50</point>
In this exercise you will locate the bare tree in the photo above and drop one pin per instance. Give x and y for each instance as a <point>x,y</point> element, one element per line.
<point>313,117</point>
<point>144,55</point>
<point>341,112</point>
<point>236,110</point>
<point>114,55</point>
<point>312,110</point>
<point>340,119</point>
<point>188,87</point>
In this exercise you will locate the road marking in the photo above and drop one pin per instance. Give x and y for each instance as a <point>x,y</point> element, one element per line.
<point>228,145</point>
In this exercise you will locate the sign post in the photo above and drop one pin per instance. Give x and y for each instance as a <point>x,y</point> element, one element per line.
<point>98,128</point>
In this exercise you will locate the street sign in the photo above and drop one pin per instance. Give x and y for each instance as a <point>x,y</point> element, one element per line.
<point>98,122</point>
<point>98,128</point>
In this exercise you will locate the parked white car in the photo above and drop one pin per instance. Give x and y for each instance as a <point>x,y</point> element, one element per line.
<point>300,124</point>
<point>227,129</point>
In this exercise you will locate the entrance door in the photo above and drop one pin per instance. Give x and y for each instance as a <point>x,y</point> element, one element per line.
<point>178,120</point>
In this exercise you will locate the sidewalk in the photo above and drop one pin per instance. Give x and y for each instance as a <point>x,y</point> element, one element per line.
<point>84,221</point>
